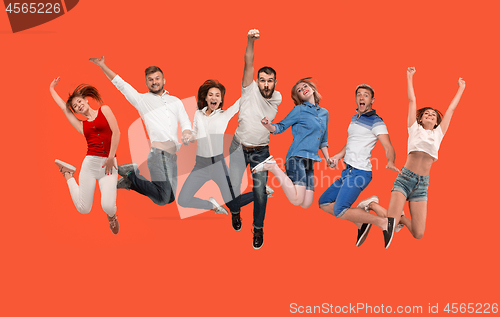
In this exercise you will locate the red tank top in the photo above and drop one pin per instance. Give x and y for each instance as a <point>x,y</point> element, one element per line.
<point>98,135</point>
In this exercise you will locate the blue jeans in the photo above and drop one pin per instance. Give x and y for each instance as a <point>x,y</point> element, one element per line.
<point>163,185</point>
<point>300,170</point>
<point>412,185</point>
<point>206,169</point>
<point>345,190</point>
<point>240,158</point>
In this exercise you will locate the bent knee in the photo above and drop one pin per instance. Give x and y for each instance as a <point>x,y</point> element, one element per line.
<point>418,235</point>
<point>83,210</point>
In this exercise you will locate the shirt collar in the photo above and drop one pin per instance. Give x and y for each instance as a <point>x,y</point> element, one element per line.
<point>307,103</point>
<point>204,110</point>
<point>368,114</point>
<point>165,92</point>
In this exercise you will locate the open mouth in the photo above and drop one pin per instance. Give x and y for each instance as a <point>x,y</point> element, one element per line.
<point>213,103</point>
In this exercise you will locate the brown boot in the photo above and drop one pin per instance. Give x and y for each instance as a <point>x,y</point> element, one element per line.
<point>113,224</point>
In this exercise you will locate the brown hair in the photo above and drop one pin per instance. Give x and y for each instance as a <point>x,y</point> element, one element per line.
<point>365,86</point>
<point>307,80</point>
<point>83,91</point>
<point>153,69</point>
<point>420,113</point>
<point>203,92</point>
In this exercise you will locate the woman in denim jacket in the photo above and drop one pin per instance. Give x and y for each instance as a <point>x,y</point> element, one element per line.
<point>309,124</point>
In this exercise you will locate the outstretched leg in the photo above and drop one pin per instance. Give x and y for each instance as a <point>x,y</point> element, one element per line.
<point>418,211</point>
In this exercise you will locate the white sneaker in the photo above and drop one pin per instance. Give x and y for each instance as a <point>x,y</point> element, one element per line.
<point>260,166</point>
<point>400,225</point>
<point>65,167</point>
<point>218,208</point>
<point>269,191</point>
<point>365,203</point>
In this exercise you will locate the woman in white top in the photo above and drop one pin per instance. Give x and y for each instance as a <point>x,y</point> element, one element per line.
<point>426,129</point>
<point>210,123</point>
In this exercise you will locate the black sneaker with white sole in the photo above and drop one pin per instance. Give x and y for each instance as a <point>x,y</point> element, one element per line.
<point>389,233</point>
<point>258,238</point>
<point>236,219</point>
<point>363,233</point>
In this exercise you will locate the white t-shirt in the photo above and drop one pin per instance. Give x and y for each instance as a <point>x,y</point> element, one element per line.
<point>428,141</point>
<point>160,114</point>
<point>209,130</point>
<point>363,132</point>
<point>254,107</point>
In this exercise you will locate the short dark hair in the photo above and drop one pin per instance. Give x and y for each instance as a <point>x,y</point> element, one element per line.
<point>268,70</point>
<point>365,86</point>
<point>152,69</point>
<point>203,92</point>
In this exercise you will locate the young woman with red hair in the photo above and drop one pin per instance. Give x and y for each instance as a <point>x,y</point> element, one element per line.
<point>102,134</point>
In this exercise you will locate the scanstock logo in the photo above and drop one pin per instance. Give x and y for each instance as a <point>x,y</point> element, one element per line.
<point>27,15</point>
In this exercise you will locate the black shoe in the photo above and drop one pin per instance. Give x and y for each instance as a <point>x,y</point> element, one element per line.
<point>124,183</point>
<point>258,238</point>
<point>363,233</point>
<point>389,233</point>
<point>236,221</point>
<point>124,169</point>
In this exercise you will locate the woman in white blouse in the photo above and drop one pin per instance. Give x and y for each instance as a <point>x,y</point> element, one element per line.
<point>426,129</point>
<point>210,123</point>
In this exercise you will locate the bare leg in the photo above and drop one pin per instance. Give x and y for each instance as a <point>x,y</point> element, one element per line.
<point>308,199</point>
<point>360,216</point>
<point>294,193</point>
<point>406,221</point>
<point>379,210</point>
<point>396,204</point>
<point>418,211</point>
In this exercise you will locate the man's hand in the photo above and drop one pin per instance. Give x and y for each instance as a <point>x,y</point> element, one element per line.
<point>410,71</point>
<point>54,82</point>
<point>98,61</point>
<point>461,83</point>
<point>334,160</point>
<point>253,34</point>
<point>392,167</point>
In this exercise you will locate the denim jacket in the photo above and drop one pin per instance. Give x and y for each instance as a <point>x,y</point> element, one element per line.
<point>309,129</point>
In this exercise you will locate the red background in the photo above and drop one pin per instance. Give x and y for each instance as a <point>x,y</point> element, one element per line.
<point>58,262</point>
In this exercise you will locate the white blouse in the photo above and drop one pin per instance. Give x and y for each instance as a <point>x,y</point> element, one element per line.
<point>209,130</point>
<point>427,141</point>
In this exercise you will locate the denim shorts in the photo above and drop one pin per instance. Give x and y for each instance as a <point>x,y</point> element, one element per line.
<point>300,170</point>
<point>413,186</point>
<point>345,190</point>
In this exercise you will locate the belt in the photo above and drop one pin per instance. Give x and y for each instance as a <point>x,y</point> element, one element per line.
<point>252,148</point>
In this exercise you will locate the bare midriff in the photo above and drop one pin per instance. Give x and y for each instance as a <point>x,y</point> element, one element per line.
<point>168,146</point>
<point>419,163</point>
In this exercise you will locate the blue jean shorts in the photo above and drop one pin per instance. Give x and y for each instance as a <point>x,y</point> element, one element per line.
<point>413,186</point>
<point>300,170</point>
<point>345,190</point>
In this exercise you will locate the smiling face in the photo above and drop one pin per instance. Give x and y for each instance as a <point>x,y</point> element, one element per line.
<point>266,84</point>
<point>155,82</point>
<point>213,99</point>
<point>364,100</point>
<point>305,92</point>
<point>80,105</point>
<point>429,118</point>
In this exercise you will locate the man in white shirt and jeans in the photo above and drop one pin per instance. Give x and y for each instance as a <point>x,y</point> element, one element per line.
<point>250,144</point>
<point>160,113</point>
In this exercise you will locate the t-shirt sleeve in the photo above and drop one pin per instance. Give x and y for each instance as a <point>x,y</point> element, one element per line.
<point>379,127</point>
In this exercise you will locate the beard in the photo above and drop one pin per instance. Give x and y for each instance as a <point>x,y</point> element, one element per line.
<point>266,93</point>
<point>160,89</point>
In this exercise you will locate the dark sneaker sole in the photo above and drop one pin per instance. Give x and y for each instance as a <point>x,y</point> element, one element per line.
<point>255,248</point>
<point>364,235</point>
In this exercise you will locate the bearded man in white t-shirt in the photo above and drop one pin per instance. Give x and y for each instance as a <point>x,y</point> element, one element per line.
<point>250,144</point>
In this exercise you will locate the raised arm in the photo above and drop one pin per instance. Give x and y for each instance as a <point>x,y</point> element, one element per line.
<point>248,72</point>
<point>75,122</point>
<point>115,139</point>
<point>389,151</point>
<point>445,123</point>
<point>412,101</point>
<point>102,65</point>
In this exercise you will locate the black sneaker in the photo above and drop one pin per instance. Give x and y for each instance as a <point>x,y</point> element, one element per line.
<point>124,169</point>
<point>124,183</point>
<point>258,238</point>
<point>389,233</point>
<point>363,233</point>
<point>236,221</point>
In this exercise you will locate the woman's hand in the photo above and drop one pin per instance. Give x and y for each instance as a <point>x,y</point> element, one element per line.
<point>334,160</point>
<point>98,61</point>
<point>267,124</point>
<point>108,165</point>
<point>410,71</point>
<point>461,83</point>
<point>53,84</point>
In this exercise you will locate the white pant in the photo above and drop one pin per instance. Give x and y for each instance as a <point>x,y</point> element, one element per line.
<point>83,195</point>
